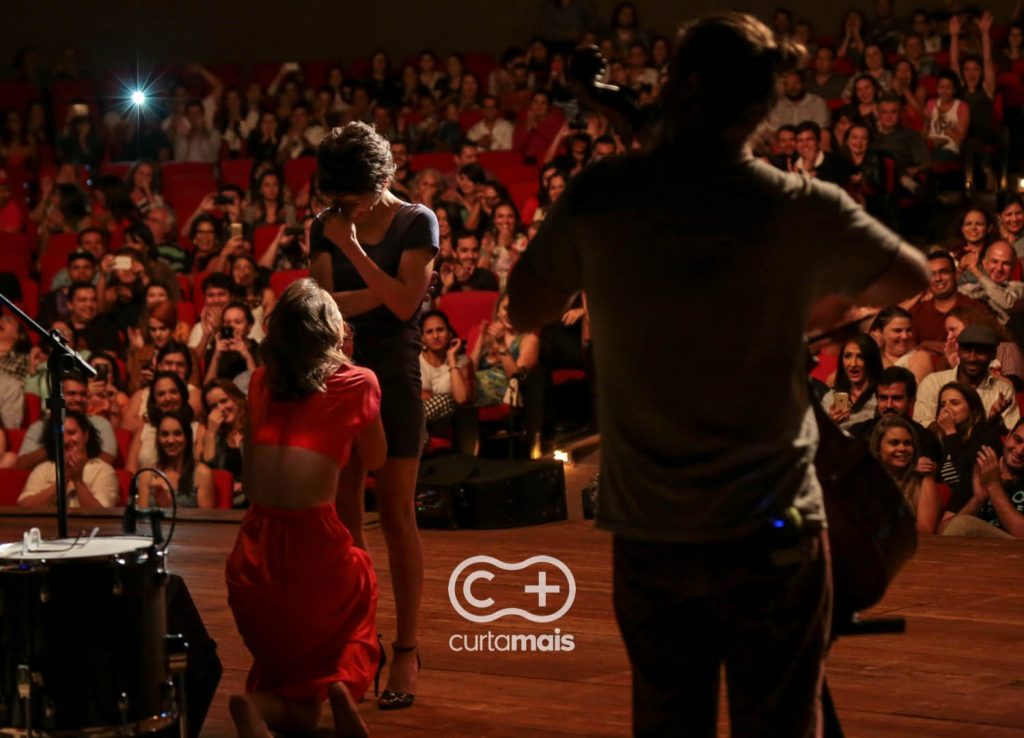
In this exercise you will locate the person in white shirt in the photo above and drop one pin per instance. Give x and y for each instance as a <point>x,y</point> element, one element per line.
<point>992,284</point>
<point>492,132</point>
<point>91,482</point>
<point>977,349</point>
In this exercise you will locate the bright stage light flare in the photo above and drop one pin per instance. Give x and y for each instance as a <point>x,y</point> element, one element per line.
<point>138,97</point>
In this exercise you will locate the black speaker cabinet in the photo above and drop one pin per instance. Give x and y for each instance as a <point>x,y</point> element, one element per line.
<point>459,491</point>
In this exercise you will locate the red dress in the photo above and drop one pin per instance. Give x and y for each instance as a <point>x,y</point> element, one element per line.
<point>304,598</point>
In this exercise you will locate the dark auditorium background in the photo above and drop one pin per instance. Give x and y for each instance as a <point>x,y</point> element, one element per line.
<point>246,32</point>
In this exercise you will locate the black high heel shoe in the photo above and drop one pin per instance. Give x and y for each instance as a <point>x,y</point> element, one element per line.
<point>393,699</point>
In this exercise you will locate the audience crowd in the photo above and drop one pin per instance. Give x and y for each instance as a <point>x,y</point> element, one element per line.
<point>156,243</point>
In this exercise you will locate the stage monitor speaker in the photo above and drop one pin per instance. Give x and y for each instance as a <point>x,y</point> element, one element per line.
<point>460,491</point>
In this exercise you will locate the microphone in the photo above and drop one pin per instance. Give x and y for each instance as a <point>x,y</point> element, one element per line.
<point>131,512</point>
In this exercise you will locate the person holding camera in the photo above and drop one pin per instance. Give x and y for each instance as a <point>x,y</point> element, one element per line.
<point>289,249</point>
<point>233,355</point>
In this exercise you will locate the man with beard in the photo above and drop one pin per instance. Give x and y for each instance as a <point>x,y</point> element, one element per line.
<point>896,392</point>
<point>928,315</point>
<point>797,105</point>
<point>977,349</point>
<point>997,508</point>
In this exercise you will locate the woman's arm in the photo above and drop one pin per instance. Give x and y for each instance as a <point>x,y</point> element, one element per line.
<point>403,294</point>
<point>352,302</point>
<point>270,255</point>
<point>36,493</point>
<point>131,418</point>
<point>963,121</point>
<point>954,45</point>
<point>372,445</point>
<point>145,480</point>
<point>929,506</point>
<point>132,462</point>
<point>206,499</point>
<point>529,352</point>
<point>989,79</point>
<point>920,364</point>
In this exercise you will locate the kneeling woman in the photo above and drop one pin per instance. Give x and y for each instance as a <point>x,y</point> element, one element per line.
<point>303,596</point>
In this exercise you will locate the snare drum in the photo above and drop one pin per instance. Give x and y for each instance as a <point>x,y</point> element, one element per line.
<point>82,628</point>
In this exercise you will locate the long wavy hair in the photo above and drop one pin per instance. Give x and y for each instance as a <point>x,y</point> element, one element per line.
<point>303,347</point>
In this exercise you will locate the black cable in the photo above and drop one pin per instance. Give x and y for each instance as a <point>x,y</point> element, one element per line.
<point>174,500</point>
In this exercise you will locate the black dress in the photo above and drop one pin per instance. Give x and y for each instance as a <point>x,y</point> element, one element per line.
<point>383,342</point>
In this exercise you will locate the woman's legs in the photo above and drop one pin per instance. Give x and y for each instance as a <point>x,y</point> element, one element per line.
<point>396,490</point>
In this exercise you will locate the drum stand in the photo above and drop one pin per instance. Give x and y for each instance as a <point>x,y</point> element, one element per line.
<point>853,626</point>
<point>63,359</point>
<point>177,664</point>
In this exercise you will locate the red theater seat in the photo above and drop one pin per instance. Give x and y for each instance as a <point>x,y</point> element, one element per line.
<point>12,482</point>
<point>279,281</point>
<point>467,310</point>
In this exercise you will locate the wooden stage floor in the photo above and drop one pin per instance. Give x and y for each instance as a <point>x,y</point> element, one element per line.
<point>956,672</point>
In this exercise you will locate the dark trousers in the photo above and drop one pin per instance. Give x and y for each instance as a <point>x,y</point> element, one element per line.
<point>760,606</point>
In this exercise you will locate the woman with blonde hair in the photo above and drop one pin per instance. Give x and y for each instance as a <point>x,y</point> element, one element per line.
<point>303,596</point>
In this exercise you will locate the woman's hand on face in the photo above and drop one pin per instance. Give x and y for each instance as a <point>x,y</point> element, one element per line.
<point>215,419</point>
<point>341,231</point>
<point>946,422</point>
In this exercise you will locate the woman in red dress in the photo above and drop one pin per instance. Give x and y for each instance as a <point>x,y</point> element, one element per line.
<point>304,598</point>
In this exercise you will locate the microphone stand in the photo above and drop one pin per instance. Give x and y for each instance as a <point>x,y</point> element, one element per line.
<point>63,360</point>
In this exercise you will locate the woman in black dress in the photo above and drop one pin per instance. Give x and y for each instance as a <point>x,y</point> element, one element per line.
<point>375,254</point>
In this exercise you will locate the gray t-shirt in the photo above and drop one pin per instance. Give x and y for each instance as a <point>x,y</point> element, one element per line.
<point>699,281</point>
<point>34,436</point>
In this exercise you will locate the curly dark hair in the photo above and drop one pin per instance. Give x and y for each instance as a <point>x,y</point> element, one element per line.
<point>354,160</point>
<point>93,448</point>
